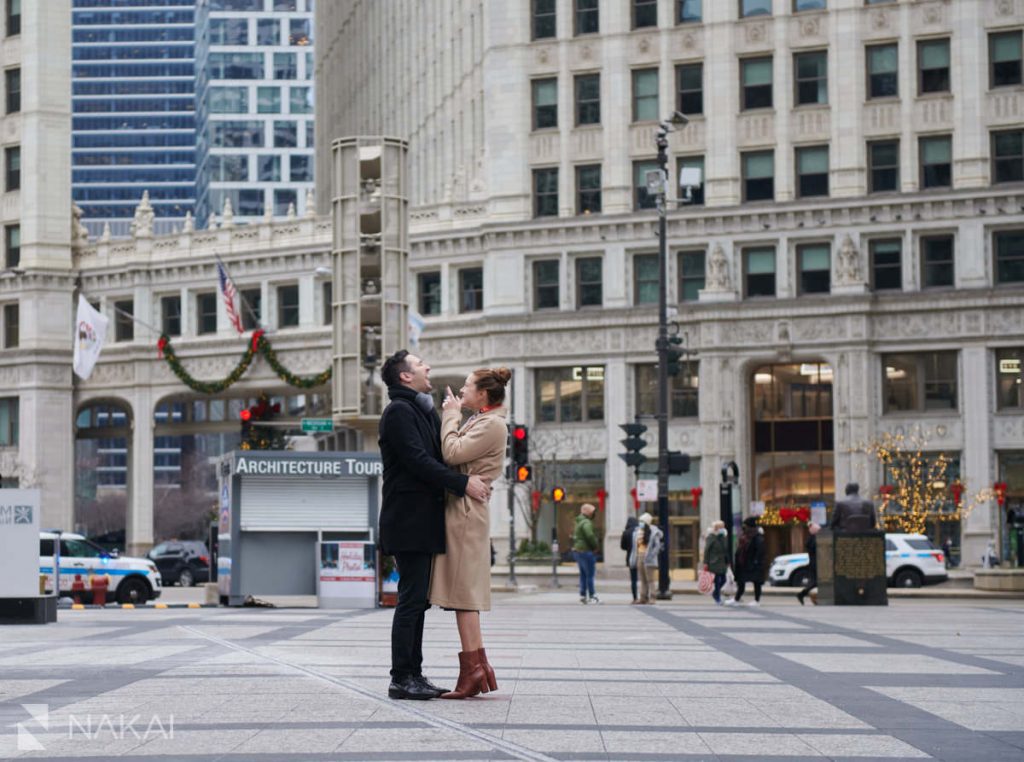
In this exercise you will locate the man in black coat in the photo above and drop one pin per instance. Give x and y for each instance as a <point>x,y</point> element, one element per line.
<point>415,481</point>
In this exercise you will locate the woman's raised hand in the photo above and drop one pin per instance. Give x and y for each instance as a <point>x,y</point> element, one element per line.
<point>451,402</point>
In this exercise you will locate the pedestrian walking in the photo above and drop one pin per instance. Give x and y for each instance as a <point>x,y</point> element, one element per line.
<point>462,574</point>
<point>749,566</point>
<point>584,545</point>
<point>626,543</point>
<point>812,564</point>
<point>412,512</point>
<point>647,542</point>
<point>716,557</point>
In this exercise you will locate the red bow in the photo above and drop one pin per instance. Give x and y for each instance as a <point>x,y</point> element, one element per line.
<point>161,345</point>
<point>256,336</point>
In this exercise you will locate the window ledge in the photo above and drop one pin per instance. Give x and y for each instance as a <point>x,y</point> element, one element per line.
<point>953,412</point>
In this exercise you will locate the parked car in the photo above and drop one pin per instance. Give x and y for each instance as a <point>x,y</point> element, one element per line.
<point>911,560</point>
<point>182,562</point>
<point>132,580</point>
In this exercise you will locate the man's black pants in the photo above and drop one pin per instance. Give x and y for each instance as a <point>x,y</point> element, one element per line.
<point>407,625</point>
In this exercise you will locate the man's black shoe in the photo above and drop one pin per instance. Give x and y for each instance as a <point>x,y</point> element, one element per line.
<point>410,688</point>
<point>429,685</point>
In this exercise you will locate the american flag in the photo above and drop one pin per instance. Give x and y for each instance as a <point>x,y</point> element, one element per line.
<point>227,289</point>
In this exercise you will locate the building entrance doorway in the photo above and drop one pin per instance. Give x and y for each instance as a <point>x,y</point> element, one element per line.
<point>683,547</point>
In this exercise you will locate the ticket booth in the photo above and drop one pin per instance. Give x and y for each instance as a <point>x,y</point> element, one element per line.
<point>277,511</point>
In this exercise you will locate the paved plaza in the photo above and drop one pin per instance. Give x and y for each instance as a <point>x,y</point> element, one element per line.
<point>680,680</point>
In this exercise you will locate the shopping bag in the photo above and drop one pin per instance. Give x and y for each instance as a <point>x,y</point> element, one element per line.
<point>705,582</point>
<point>729,588</point>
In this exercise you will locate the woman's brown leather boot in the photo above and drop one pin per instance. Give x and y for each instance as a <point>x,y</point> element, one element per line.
<point>472,679</point>
<point>492,683</point>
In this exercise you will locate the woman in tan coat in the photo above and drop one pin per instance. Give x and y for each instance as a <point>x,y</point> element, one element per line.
<point>462,574</point>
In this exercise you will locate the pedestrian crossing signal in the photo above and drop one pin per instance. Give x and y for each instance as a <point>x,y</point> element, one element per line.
<point>524,473</point>
<point>558,494</point>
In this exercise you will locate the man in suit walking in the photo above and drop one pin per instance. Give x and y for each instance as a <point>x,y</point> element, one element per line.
<point>854,513</point>
<point>415,480</point>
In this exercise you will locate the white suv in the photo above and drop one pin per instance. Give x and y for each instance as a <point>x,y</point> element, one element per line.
<point>911,560</point>
<point>132,580</point>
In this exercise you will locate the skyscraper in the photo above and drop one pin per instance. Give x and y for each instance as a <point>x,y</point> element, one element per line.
<point>254,95</point>
<point>133,88</point>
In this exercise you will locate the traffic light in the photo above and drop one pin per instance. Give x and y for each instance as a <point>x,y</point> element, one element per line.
<point>633,444</point>
<point>520,445</point>
<point>558,494</point>
<point>678,462</point>
<point>246,416</point>
<point>673,355</point>
<point>524,473</point>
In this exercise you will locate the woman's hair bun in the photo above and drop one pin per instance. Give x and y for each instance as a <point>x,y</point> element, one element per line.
<point>504,375</point>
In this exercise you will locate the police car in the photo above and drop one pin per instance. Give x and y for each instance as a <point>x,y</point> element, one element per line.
<point>132,580</point>
<point>911,560</point>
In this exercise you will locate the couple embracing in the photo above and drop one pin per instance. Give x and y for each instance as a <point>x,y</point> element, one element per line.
<point>434,516</point>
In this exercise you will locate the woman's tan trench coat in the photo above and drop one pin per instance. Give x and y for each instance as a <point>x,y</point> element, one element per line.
<point>462,574</point>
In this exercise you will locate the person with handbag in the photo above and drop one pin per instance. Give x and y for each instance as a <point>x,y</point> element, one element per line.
<point>749,561</point>
<point>626,543</point>
<point>716,558</point>
<point>647,542</point>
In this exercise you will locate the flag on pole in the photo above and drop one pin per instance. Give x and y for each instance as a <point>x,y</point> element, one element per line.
<point>227,290</point>
<point>415,328</point>
<point>90,333</point>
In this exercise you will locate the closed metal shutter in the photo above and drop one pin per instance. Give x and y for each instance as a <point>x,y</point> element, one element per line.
<point>271,502</point>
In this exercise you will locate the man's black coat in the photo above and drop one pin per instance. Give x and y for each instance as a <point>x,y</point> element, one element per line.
<point>415,477</point>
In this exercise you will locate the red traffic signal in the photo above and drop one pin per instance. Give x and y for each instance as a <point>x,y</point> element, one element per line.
<point>524,473</point>
<point>520,445</point>
<point>245,415</point>
<point>519,432</point>
<point>558,494</point>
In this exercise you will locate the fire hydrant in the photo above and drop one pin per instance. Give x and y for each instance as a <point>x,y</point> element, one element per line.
<point>99,585</point>
<point>77,588</point>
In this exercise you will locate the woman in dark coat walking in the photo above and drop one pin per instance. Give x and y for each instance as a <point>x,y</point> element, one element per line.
<point>749,561</point>
<point>626,543</point>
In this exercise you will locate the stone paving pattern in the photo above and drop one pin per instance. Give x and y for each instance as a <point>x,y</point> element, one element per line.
<point>680,680</point>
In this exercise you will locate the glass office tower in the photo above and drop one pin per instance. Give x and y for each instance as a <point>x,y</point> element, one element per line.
<point>254,96</point>
<point>133,105</point>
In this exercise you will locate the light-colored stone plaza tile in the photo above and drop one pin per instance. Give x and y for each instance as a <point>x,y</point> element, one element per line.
<point>713,712</point>
<point>294,741</point>
<point>98,655</point>
<point>748,623</point>
<point>806,639</point>
<point>103,745</point>
<point>990,709</point>
<point>807,712</point>
<point>835,745</point>
<point>636,688</point>
<point>626,742</point>
<point>611,710</point>
<point>903,664</point>
<point>12,688</point>
<point>236,631</point>
<point>556,741</point>
<point>551,688</point>
<point>568,710</point>
<point>34,636</point>
<point>758,744</point>
<point>196,742</point>
<point>480,709</point>
<point>711,676</point>
<point>369,740</point>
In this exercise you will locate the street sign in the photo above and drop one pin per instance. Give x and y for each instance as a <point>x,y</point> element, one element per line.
<point>317,424</point>
<point>647,490</point>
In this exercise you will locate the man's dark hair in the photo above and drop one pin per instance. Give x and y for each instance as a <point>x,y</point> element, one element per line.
<point>393,366</point>
<point>852,488</point>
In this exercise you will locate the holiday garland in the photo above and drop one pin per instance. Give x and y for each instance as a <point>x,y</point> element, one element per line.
<point>259,344</point>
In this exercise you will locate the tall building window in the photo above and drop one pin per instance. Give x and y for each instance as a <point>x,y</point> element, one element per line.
<point>688,12</point>
<point>937,264</point>
<point>750,8</point>
<point>268,100</point>
<point>9,422</point>
<point>697,191</point>
<point>883,71</point>
<point>13,21</point>
<point>919,381</point>
<point>206,313</point>
<point>936,162</point>
<point>587,20</point>
<point>288,306</point>
<point>815,264</point>
<point>124,325</point>
<point>545,192</point>
<point>682,391</point>
<point>691,275</point>
<point>570,395</point>
<point>170,315</point>
<point>756,78</point>
<point>11,326</point>
<point>300,100</point>
<point>1004,55</point>
<point>285,66</point>
<point>250,305</point>
<point>1009,380</point>
<point>545,103</point>
<point>328,295</point>
<point>285,200</point>
<point>933,66</point>
<point>1009,251</point>
<point>645,279</point>
<point>887,265</point>
<point>588,189</point>
<point>645,13</point>
<point>1008,156</point>
<point>430,293</point>
<point>227,100</point>
<point>812,171</point>
<point>268,32</point>
<point>645,95</point>
<point>300,168</point>
<point>545,284</point>
<point>12,168</point>
<point>809,5</point>
<point>588,98</point>
<point>690,88</point>
<point>758,175</point>
<point>471,289</point>
<point>543,21</point>
<point>12,84</point>
<point>759,271</point>
<point>883,166</point>
<point>268,169</point>
<point>642,198</point>
<point>12,245</point>
<point>286,135</point>
<point>229,31</point>
<point>811,77</point>
<point>589,282</point>
<point>299,32</point>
